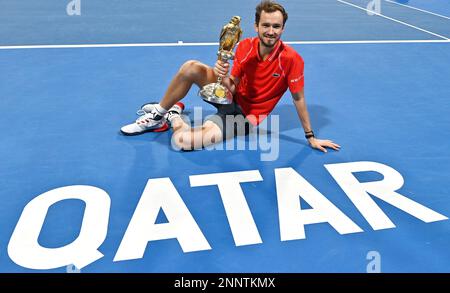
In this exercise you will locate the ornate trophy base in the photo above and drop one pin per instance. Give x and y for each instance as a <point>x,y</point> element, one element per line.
<point>216,93</point>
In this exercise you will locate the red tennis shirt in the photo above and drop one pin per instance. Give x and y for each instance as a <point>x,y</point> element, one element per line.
<point>263,82</point>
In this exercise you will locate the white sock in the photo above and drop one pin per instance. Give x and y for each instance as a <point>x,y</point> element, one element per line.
<point>161,111</point>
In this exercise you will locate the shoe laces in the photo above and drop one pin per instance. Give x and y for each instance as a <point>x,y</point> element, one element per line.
<point>141,112</point>
<point>145,117</point>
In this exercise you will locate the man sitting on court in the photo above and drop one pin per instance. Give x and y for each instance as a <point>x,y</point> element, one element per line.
<point>263,69</point>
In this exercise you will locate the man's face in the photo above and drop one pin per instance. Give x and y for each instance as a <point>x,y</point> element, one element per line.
<point>270,28</point>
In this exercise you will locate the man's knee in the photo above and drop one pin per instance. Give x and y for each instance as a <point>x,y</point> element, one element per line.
<point>185,141</point>
<point>212,133</point>
<point>210,138</point>
<point>192,69</point>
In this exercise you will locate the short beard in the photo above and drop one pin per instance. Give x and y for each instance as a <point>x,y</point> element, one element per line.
<point>261,39</point>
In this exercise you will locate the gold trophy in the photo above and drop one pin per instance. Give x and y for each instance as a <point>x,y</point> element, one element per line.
<point>229,36</point>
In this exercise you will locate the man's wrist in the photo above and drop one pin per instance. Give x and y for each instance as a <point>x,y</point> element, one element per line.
<point>309,134</point>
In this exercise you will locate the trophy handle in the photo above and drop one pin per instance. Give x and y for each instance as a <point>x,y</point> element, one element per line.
<point>224,56</point>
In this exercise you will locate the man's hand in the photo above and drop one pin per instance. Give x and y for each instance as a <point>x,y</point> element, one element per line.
<point>221,68</point>
<point>322,144</point>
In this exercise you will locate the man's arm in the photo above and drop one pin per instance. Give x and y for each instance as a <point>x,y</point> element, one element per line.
<point>302,111</point>
<point>231,83</point>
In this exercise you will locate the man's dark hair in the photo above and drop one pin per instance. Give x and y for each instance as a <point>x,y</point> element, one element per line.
<point>269,7</point>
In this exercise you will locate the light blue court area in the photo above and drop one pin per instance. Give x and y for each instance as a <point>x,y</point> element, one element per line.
<point>385,101</point>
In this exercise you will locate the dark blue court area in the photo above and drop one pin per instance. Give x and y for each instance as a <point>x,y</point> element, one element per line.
<point>75,191</point>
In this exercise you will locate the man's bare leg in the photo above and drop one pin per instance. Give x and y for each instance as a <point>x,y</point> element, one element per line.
<point>187,138</point>
<point>184,136</point>
<point>191,72</point>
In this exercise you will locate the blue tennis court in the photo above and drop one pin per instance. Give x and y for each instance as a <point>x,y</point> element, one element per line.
<point>75,191</point>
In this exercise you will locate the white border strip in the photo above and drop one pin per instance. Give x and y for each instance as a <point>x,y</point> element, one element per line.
<point>415,8</point>
<point>390,18</point>
<point>181,44</point>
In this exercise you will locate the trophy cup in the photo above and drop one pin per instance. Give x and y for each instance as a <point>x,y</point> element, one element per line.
<point>229,36</point>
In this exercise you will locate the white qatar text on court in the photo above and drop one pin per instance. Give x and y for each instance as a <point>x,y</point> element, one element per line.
<point>160,194</point>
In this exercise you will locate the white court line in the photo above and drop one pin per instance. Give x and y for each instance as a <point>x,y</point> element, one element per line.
<point>365,42</point>
<point>214,44</point>
<point>178,44</point>
<point>393,19</point>
<point>415,8</point>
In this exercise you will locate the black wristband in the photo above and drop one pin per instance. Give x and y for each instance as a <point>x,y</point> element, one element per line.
<point>309,134</point>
